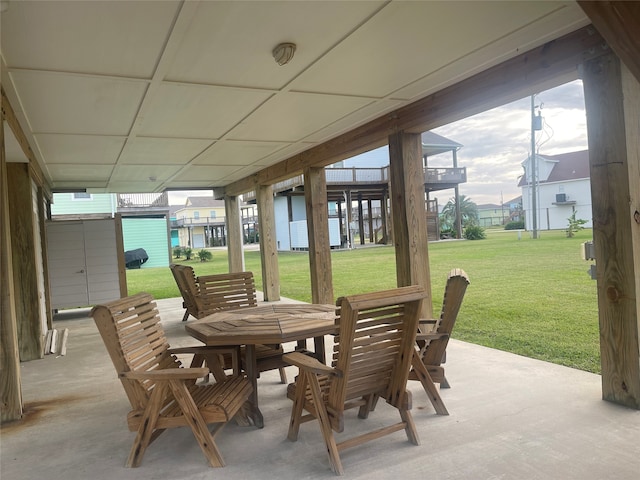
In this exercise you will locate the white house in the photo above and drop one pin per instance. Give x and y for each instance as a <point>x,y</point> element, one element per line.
<point>563,186</point>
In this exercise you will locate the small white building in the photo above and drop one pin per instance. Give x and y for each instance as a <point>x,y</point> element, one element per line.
<point>563,186</point>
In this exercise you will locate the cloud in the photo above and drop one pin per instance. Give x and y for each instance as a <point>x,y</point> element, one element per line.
<point>496,142</point>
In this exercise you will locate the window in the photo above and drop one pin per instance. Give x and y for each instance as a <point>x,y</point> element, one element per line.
<point>212,214</point>
<point>196,215</point>
<point>81,196</point>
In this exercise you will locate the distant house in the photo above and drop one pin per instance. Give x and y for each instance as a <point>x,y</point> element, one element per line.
<point>144,218</point>
<point>201,223</point>
<point>491,214</point>
<point>563,186</point>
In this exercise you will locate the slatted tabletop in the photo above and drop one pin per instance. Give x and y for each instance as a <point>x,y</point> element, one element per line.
<point>265,324</point>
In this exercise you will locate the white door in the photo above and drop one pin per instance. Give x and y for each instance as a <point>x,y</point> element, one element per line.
<point>67,268</point>
<point>83,263</point>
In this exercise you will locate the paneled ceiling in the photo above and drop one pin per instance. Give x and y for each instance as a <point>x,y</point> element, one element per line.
<point>146,96</point>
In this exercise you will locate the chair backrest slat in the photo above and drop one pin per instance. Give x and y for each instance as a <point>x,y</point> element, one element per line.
<point>207,294</point>
<point>374,345</point>
<point>457,282</point>
<point>134,337</point>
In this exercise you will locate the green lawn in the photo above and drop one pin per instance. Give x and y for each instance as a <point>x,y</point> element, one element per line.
<point>530,297</point>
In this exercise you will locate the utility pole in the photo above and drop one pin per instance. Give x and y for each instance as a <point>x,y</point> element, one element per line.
<point>532,161</point>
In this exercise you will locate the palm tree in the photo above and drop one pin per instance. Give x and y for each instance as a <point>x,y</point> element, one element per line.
<point>468,213</point>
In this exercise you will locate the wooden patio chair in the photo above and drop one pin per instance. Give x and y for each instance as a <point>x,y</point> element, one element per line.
<point>434,336</point>
<point>162,394</point>
<point>209,294</point>
<point>371,359</point>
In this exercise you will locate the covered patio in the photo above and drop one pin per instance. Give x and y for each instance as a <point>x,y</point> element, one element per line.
<point>510,417</point>
<point>237,96</point>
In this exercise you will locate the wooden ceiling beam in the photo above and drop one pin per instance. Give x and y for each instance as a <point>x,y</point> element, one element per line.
<point>619,24</point>
<point>547,66</point>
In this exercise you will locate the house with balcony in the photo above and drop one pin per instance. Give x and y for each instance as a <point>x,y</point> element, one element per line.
<point>358,199</point>
<point>563,186</point>
<point>201,223</point>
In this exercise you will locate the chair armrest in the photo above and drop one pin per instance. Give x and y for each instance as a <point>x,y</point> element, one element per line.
<point>168,374</point>
<point>310,364</point>
<point>431,336</point>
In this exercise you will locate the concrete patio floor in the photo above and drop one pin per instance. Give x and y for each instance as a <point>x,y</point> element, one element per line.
<point>510,418</point>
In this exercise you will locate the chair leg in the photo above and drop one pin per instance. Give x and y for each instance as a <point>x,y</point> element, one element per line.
<point>197,424</point>
<point>427,383</point>
<point>144,436</point>
<point>283,376</point>
<point>325,426</point>
<point>298,406</point>
<point>186,315</point>
<point>412,432</point>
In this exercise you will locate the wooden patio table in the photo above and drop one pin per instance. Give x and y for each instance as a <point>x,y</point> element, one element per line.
<point>264,325</point>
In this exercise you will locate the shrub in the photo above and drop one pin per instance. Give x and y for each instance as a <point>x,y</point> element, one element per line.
<point>177,251</point>
<point>515,225</point>
<point>575,225</point>
<point>205,255</point>
<point>187,252</point>
<point>474,232</point>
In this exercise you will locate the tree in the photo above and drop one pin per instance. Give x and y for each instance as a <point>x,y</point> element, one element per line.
<point>468,212</point>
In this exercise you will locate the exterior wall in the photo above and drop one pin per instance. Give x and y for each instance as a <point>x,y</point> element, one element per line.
<point>554,217</point>
<point>298,208</point>
<point>213,214</point>
<point>65,204</point>
<point>281,213</point>
<point>150,234</point>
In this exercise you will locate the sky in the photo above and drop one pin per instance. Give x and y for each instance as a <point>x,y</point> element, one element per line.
<point>495,143</point>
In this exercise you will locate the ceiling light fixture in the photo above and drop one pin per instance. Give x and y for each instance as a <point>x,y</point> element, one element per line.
<point>283,53</point>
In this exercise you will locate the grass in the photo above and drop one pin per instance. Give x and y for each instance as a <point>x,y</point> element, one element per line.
<point>529,297</point>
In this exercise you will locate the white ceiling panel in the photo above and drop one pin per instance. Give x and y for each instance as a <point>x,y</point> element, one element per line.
<point>91,149</point>
<point>114,38</point>
<point>231,152</point>
<point>359,117</point>
<point>564,19</point>
<point>288,118</point>
<point>153,173</point>
<point>412,42</point>
<point>80,173</point>
<point>194,111</point>
<point>149,151</point>
<point>60,103</point>
<point>202,173</point>
<point>228,44</point>
<point>189,93</point>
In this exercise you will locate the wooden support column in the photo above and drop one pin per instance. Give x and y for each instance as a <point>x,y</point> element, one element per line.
<point>234,233</point>
<point>612,100</point>
<point>409,214</point>
<point>268,243</point>
<point>360,219</point>
<point>315,196</point>
<point>10,380</point>
<point>342,235</point>
<point>385,224</point>
<point>30,334</point>
<point>371,229</point>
